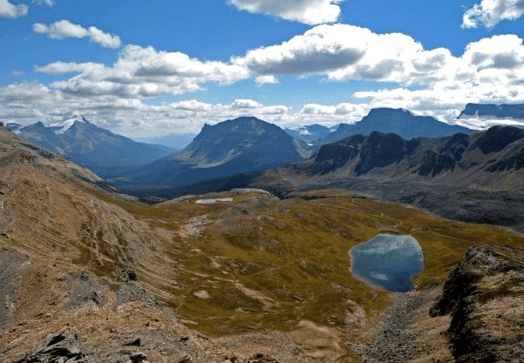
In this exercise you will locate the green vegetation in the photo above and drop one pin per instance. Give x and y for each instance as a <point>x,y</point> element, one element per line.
<point>265,263</point>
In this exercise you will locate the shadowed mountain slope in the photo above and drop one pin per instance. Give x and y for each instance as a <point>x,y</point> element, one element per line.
<point>91,146</point>
<point>235,146</point>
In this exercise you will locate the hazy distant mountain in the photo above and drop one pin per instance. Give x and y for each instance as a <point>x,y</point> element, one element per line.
<point>492,111</point>
<point>234,146</point>
<point>173,141</point>
<point>397,121</point>
<point>309,133</point>
<point>91,146</point>
<point>245,138</point>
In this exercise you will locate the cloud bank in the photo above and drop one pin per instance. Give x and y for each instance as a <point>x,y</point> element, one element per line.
<point>65,29</point>
<point>428,81</point>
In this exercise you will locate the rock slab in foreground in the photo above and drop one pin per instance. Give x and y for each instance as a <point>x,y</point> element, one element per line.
<point>485,297</point>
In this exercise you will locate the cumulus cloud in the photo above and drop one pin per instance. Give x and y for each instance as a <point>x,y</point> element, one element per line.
<point>491,12</point>
<point>65,29</point>
<point>268,79</point>
<point>71,67</point>
<point>44,2</point>
<point>310,12</point>
<point>144,72</point>
<point>321,49</point>
<point>8,10</point>
<point>338,52</point>
<point>343,52</point>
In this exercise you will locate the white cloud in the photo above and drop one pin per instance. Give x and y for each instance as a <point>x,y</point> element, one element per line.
<point>16,73</point>
<point>269,79</point>
<point>8,10</point>
<point>321,49</point>
<point>343,52</point>
<point>104,39</point>
<point>63,67</point>
<point>44,2</point>
<point>491,12</point>
<point>65,29</point>
<point>245,103</point>
<point>339,52</point>
<point>310,12</point>
<point>133,117</point>
<point>144,72</point>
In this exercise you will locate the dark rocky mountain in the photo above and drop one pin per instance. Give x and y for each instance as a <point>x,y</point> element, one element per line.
<point>91,146</point>
<point>496,149</point>
<point>234,146</point>
<point>398,121</point>
<point>473,178</point>
<point>309,133</point>
<point>492,111</point>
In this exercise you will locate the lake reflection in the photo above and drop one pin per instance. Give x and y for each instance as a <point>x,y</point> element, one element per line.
<point>388,261</point>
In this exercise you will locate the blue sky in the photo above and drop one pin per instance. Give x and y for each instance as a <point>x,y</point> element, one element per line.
<point>146,68</point>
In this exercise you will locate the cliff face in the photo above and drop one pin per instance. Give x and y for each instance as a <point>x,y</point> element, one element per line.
<point>485,297</point>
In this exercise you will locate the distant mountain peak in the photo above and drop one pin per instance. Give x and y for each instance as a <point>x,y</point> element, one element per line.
<point>248,138</point>
<point>503,111</point>
<point>398,121</point>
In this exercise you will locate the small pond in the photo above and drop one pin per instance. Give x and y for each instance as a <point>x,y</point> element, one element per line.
<point>388,261</point>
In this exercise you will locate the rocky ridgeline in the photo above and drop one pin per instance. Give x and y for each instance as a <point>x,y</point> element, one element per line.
<point>485,297</point>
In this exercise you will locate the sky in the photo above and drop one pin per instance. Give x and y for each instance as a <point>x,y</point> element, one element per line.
<point>149,68</point>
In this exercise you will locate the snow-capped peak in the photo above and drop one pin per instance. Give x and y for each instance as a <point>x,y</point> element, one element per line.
<point>67,124</point>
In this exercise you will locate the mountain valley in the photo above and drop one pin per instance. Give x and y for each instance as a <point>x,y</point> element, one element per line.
<point>261,272</point>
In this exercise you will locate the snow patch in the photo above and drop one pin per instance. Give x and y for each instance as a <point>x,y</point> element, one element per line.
<point>67,124</point>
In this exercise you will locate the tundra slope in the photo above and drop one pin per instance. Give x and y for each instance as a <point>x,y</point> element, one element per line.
<point>68,286</point>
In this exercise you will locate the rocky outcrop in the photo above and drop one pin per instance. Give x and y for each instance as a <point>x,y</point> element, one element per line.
<point>485,297</point>
<point>12,268</point>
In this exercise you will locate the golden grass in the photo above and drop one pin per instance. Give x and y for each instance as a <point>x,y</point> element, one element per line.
<point>293,253</point>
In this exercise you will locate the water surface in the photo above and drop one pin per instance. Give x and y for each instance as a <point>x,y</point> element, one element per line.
<point>388,261</point>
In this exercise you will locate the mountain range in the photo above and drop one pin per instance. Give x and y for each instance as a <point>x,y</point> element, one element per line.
<point>471,177</point>
<point>91,146</point>
<point>460,158</point>
<point>241,145</point>
<point>398,121</point>
<point>247,144</point>
<point>515,111</point>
